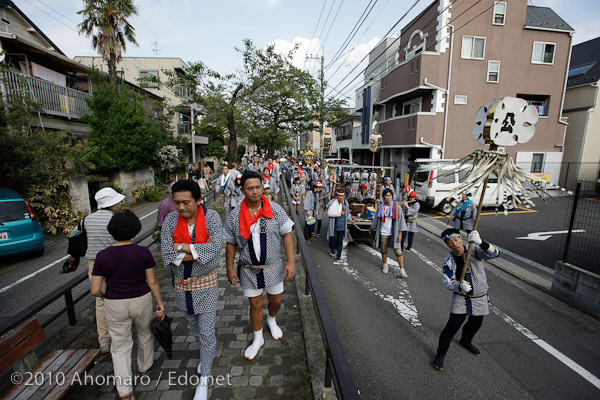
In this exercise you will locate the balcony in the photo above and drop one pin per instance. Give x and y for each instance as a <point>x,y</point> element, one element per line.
<point>410,74</point>
<point>51,98</point>
<point>407,130</point>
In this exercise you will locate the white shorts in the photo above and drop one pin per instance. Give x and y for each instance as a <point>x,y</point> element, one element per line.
<point>277,289</point>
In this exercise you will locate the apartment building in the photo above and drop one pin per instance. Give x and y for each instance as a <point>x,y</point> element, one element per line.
<point>581,160</point>
<point>142,70</point>
<point>454,57</point>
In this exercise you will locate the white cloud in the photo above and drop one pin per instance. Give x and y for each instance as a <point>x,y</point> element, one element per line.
<point>305,47</point>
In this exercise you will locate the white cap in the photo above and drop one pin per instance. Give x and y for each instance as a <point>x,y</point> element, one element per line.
<point>108,197</point>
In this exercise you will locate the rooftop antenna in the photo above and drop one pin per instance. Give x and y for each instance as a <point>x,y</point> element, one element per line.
<point>156,49</point>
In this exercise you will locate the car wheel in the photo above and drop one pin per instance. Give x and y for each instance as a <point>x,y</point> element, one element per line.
<point>446,207</point>
<point>510,203</point>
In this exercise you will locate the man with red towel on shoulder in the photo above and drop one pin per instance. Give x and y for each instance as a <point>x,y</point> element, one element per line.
<point>256,229</point>
<point>191,240</point>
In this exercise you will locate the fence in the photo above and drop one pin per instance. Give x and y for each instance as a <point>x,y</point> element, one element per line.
<point>336,365</point>
<point>51,98</point>
<point>581,246</point>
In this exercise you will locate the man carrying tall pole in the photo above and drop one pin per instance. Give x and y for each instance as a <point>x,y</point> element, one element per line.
<point>469,297</point>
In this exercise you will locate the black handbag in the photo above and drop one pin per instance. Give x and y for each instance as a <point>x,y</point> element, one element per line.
<point>78,241</point>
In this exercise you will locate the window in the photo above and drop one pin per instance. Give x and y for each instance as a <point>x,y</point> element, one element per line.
<point>473,47</point>
<point>541,102</point>
<point>120,74</point>
<point>543,53</point>
<point>493,72</point>
<point>446,176</point>
<point>581,70</point>
<point>460,99</point>
<point>149,78</point>
<point>499,13</point>
<point>411,107</point>
<point>537,162</point>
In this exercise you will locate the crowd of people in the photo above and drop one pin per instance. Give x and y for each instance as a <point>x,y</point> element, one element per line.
<point>258,230</point>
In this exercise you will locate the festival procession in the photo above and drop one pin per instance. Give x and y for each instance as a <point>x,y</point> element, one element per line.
<point>412,214</point>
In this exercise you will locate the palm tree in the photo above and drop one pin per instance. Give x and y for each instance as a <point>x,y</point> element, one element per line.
<point>106,22</point>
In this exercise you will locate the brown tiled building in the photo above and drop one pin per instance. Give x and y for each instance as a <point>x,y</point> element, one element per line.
<point>452,59</point>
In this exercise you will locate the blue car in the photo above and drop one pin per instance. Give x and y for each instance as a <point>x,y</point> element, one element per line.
<point>20,230</point>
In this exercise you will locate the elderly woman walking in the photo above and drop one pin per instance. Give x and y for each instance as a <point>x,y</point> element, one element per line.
<point>128,270</point>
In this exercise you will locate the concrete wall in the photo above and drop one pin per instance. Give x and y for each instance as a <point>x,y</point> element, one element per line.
<point>130,181</point>
<point>80,197</point>
<point>577,287</point>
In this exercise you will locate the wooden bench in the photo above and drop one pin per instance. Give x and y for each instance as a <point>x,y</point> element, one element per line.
<point>52,377</point>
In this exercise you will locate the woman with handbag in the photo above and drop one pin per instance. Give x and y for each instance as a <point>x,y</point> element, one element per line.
<point>128,270</point>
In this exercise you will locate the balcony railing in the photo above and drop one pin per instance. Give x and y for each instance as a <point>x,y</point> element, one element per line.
<point>51,98</point>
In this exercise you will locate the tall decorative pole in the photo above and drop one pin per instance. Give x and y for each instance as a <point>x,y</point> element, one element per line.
<point>502,121</point>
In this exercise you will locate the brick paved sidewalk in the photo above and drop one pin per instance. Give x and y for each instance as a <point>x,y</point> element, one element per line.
<point>280,370</point>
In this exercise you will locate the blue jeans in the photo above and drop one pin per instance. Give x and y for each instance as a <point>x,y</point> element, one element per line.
<point>336,244</point>
<point>410,239</point>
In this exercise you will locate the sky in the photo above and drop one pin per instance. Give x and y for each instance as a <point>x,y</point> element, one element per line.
<point>210,30</point>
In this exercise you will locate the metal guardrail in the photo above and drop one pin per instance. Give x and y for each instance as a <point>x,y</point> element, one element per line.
<point>336,367</point>
<point>64,290</point>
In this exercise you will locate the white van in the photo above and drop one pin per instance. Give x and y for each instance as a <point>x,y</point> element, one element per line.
<point>434,188</point>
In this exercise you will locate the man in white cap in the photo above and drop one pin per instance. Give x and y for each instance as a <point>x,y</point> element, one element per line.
<point>98,238</point>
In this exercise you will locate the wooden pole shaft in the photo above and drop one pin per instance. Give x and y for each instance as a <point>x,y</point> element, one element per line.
<point>493,147</point>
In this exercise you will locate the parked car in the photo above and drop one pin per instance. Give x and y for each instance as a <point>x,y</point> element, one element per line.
<point>20,230</point>
<point>433,186</point>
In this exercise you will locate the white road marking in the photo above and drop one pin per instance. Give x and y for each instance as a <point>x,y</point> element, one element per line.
<point>530,335</point>
<point>546,235</point>
<point>23,279</point>
<point>149,214</point>
<point>403,303</point>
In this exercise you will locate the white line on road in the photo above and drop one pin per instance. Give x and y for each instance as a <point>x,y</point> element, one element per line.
<point>530,335</point>
<point>149,214</point>
<point>23,279</point>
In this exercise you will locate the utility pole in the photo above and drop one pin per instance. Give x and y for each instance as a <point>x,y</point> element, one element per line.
<point>322,99</point>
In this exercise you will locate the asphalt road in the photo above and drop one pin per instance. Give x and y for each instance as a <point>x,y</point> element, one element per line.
<point>551,215</point>
<point>389,328</point>
<point>25,279</point>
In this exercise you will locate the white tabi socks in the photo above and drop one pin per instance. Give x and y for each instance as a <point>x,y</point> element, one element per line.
<point>257,343</point>
<point>202,389</point>
<point>274,328</point>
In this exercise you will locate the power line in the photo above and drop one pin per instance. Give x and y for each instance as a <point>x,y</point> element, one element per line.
<point>332,22</point>
<point>315,31</point>
<point>52,16</point>
<point>58,12</point>
<point>434,43</point>
<point>400,20</point>
<point>326,19</point>
<point>351,34</point>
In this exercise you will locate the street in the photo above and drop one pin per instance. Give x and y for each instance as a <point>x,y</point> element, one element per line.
<point>532,344</point>
<point>24,279</point>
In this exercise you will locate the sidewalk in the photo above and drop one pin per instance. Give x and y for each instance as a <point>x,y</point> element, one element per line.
<point>280,370</point>
<point>520,267</point>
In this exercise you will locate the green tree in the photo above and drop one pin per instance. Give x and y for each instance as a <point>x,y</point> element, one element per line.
<point>106,22</point>
<point>39,161</point>
<point>220,96</point>
<point>122,137</point>
<point>285,100</point>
